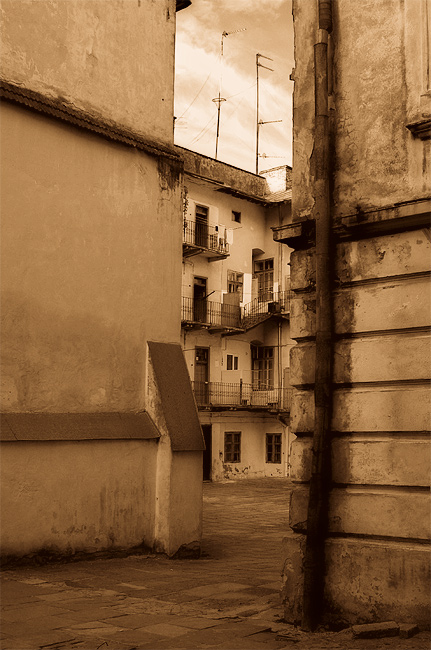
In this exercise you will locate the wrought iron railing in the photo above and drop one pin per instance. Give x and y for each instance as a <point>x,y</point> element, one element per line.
<point>210,313</point>
<point>204,235</point>
<point>271,302</point>
<point>227,395</point>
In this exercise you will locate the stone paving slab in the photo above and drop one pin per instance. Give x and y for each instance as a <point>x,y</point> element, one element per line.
<point>228,599</point>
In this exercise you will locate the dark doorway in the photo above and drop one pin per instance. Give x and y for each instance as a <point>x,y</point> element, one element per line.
<point>201,386</point>
<point>199,300</point>
<point>201,235</point>
<point>207,431</point>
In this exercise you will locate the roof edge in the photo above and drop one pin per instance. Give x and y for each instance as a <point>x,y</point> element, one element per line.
<point>61,109</point>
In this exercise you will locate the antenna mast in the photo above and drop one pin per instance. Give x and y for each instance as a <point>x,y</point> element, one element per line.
<point>259,122</point>
<point>218,100</point>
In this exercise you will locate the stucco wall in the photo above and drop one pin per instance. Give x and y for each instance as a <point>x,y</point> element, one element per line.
<point>85,224</point>
<point>377,549</point>
<point>253,428</point>
<point>61,498</point>
<point>378,60</point>
<point>79,51</point>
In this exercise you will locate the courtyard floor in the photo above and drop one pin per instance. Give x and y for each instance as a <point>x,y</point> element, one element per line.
<point>228,599</point>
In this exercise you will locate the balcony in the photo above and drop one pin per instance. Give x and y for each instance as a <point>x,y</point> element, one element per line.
<point>271,303</point>
<point>205,239</point>
<point>220,396</point>
<point>215,316</point>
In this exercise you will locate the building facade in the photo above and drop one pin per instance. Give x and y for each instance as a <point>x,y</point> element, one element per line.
<point>235,315</point>
<point>358,549</point>
<point>101,444</point>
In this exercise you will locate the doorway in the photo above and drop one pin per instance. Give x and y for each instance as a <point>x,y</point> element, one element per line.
<point>199,300</point>
<point>201,233</point>
<point>202,376</point>
<point>207,455</point>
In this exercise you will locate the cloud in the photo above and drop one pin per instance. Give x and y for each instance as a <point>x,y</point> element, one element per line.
<point>198,76</point>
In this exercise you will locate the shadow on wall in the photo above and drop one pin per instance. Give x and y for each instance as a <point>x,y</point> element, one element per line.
<point>58,360</point>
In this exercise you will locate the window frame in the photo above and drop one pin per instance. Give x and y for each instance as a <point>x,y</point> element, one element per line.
<point>273,448</point>
<point>263,271</point>
<point>232,447</point>
<point>235,214</point>
<point>231,362</point>
<point>262,367</point>
<point>235,283</point>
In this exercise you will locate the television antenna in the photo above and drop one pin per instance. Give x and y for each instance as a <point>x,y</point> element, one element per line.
<point>219,100</point>
<point>259,122</point>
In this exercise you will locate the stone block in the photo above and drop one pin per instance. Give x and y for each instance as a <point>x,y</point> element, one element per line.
<point>302,269</point>
<point>302,412</point>
<point>302,363</point>
<point>300,459</point>
<point>398,305</point>
<point>303,316</point>
<point>298,509</point>
<point>380,358</point>
<point>388,255</point>
<point>408,630</point>
<point>376,580</point>
<point>293,550</point>
<point>368,460</point>
<point>365,461</point>
<point>397,408</point>
<point>375,630</point>
<point>373,511</point>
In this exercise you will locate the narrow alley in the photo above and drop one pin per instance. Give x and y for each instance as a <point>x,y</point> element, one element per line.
<point>227,599</point>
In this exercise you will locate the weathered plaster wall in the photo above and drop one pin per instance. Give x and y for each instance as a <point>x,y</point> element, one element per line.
<point>377,549</point>
<point>82,57</point>
<point>254,428</point>
<point>374,44</point>
<point>85,224</point>
<point>222,174</point>
<point>66,497</point>
<point>381,404</point>
<point>378,61</point>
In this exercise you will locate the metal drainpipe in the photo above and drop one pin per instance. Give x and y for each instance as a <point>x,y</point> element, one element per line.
<point>317,518</point>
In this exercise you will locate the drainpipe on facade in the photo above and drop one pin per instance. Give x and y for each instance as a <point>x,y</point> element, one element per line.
<point>317,518</point>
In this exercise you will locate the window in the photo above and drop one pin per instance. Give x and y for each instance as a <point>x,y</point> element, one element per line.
<point>262,359</point>
<point>235,282</point>
<point>232,447</point>
<point>264,272</point>
<point>236,216</point>
<point>232,362</point>
<point>273,448</point>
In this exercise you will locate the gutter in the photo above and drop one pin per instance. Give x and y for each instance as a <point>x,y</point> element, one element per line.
<point>317,517</point>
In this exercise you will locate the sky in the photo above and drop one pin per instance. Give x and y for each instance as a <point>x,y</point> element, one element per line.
<point>266,28</point>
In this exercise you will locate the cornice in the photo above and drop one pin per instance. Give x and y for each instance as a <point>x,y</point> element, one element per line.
<point>63,110</point>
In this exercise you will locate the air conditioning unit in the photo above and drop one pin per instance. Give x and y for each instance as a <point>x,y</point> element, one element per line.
<point>274,308</point>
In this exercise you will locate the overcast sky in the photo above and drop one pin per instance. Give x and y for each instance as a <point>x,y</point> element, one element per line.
<point>269,31</point>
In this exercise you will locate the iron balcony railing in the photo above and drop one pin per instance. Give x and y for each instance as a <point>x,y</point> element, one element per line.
<point>219,314</point>
<point>268,303</point>
<point>210,313</point>
<point>221,394</point>
<point>206,236</point>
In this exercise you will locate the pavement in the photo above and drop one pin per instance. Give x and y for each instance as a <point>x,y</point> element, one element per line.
<point>227,599</point>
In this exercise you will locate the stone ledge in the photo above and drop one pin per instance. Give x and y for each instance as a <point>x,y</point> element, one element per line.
<point>375,630</point>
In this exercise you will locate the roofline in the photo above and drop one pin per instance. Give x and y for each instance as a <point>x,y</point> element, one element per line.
<point>220,162</point>
<point>266,171</point>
